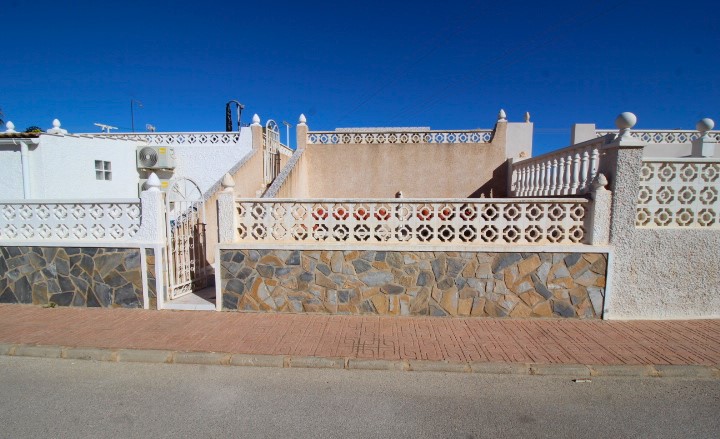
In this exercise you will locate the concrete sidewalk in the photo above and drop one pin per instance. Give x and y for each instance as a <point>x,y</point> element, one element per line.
<point>591,347</point>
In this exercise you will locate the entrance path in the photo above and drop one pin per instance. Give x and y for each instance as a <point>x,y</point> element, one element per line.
<point>457,340</point>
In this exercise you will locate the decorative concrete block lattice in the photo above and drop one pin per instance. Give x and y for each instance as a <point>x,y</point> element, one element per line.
<point>53,221</point>
<point>679,193</point>
<point>418,221</point>
<point>172,139</point>
<point>663,136</point>
<point>334,137</point>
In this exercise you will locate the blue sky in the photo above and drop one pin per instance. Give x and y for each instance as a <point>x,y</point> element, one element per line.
<point>448,65</point>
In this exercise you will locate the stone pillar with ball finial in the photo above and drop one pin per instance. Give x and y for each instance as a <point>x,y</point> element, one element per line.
<point>257,132</point>
<point>704,146</point>
<point>301,131</point>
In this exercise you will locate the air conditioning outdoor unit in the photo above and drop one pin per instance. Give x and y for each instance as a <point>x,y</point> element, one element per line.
<point>155,157</point>
<point>164,185</point>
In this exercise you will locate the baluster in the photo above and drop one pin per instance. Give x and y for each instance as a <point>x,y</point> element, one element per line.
<point>594,163</point>
<point>518,181</point>
<point>567,175</point>
<point>528,181</point>
<point>534,182</point>
<point>584,184</point>
<point>554,177</point>
<point>541,179</point>
<point>575,174</point>
<point>548,177</point>
<point>525,176</point>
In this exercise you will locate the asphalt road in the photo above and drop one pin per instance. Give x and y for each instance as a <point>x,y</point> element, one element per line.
<point>66,398</point>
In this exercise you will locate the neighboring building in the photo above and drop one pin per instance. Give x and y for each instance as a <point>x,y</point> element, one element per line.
<point>60,165</point>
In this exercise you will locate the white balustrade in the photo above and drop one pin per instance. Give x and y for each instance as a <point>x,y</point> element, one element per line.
<point>399,137</point>
<point>569,171</point>
<point>54,220</point>
<point>679,193</point>
<point>663,136</point>
<point>464,221</point>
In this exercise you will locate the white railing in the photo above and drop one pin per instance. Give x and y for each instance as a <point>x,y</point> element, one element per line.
<point>454,221</point>
<point>174,139</point>
<point>663,136</point>
<point>57,220</point>
<point>400,137</point>
<point>569,171</point>
<point>284,150</point>
<point>679,193</point>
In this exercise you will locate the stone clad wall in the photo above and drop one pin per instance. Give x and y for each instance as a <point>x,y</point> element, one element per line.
<point>152,285</point>
<point>71,276</point>
<point>415,283</point>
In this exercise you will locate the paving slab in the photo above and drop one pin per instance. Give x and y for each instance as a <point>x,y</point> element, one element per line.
<point>480,345</point>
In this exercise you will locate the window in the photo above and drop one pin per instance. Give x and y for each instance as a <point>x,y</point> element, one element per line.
<point>102,170</point>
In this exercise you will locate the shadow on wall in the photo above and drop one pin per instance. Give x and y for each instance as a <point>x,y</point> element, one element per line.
<point>496,187</point>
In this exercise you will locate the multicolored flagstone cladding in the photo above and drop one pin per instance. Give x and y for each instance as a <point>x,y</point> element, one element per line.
<point>151,280</point>
<point>415,283</point>
<point>71,276</point>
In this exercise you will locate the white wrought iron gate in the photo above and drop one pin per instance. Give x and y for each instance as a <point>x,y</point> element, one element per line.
<point>185,222</point>
<point>271,157</point>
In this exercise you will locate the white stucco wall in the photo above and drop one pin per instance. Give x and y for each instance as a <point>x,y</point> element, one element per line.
<point>664,273</point>
<point>63,167</point>
<point>11,186</point>
<point>207,164</point>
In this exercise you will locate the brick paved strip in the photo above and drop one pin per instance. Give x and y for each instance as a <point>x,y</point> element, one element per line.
<point>459,342</point>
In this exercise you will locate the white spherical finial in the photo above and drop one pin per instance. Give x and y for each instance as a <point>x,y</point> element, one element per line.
<point>302,120</point>
<point>705,125</point>
<point>56,123</point>
<point>10,127</point>
<point>502,117</point>
<point>527,116</point>
<point>227,182</point>
<point>256,119</point>
<point>153,183</point>
<point>600,181</point>
<point>625,120</point>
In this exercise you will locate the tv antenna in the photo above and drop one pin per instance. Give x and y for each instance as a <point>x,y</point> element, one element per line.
<point>150,128</point>
<point>105,128</point>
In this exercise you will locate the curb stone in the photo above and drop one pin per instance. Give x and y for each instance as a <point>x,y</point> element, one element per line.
<point>38,351</point>
<point>438,366</point>
<point>257,360</point>
<point>370,364</point>
<point>558,369</point>
<point>321,362</point>
<point>622,371</point>
<point>7,349</point>
<point>95,354</point>
<point>684,371</point>
<point>209,358</point>
<point>143,356</point>
<point>283,361</point>
<point>500,368</point>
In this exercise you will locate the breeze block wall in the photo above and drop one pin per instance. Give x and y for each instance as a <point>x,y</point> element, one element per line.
<point>419,283</point>
<point>71,276</point>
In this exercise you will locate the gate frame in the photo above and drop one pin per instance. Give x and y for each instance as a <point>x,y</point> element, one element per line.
<point>197,263</point>
<point>271,152</point>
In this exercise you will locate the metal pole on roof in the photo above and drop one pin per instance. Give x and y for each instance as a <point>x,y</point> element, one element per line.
<point>132,112</point>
